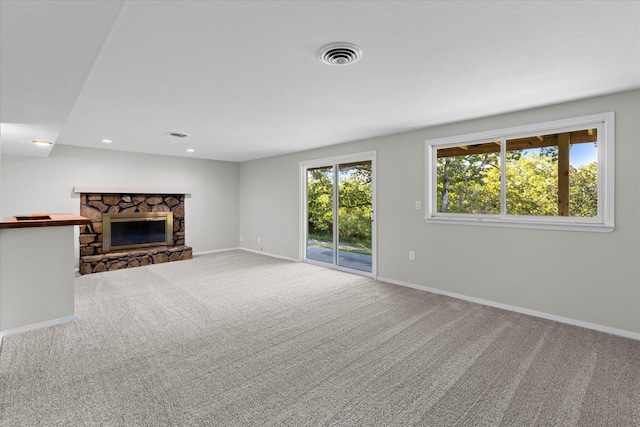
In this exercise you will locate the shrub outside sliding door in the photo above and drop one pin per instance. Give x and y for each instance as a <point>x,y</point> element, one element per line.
<point>338,212</point>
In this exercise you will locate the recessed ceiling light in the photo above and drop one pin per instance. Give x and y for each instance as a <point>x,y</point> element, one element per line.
<point>107,141</point>
<point>179,134</point>
<point>42,142</point>
<point>340,54</point>
<point>190,150</point>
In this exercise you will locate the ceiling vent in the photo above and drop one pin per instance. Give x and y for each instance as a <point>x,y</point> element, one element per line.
<point>340,54</point>
<point>179,134</point>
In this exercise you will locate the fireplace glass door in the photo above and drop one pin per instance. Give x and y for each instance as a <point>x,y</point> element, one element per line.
<point>137,230</point>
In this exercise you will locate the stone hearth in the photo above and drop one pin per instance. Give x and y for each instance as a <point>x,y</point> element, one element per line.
<point>93,205</point>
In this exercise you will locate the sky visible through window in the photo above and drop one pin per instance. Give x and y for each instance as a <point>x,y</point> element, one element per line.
<point>583,154</point>
<point>579,154</point>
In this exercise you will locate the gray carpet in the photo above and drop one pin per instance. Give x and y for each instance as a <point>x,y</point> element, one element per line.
<point>237,338</point>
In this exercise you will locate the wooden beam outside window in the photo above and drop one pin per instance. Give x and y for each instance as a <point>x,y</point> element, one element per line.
<point>564,142</point>
<point>577,137</point>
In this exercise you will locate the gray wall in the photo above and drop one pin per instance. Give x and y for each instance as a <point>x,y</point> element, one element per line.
<point>589,277</point>
<point>32,185</point>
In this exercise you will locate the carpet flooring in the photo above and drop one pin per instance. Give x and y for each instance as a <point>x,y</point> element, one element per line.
<point>241,339</point>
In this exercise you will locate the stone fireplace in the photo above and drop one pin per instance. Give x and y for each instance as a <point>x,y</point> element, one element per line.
<point>130,229</point>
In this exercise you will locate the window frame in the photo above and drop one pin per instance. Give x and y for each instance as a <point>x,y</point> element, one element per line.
<point>604,122</point>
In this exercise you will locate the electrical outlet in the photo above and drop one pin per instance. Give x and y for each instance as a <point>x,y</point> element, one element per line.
<point>241,238</point>
<point>259,241</point>
<point>418,205</point>
<point>412,256</point>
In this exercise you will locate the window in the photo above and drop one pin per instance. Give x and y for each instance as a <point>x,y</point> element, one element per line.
<point>554,175</point>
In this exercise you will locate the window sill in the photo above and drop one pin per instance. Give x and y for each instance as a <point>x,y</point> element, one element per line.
<point>524,224</point>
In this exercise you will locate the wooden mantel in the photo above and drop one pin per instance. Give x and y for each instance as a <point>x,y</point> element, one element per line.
<point>43,220</point>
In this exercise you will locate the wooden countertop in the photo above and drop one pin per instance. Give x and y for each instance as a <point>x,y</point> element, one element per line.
<point>43,220</point>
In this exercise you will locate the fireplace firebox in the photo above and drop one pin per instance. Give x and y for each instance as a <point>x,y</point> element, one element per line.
<point>136,230</point>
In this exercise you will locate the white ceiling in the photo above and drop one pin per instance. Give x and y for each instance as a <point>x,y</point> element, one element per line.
<point>242,77</point>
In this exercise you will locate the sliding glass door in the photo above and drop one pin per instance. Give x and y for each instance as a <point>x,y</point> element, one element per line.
<point>320,214</point>
<point>339,208</point>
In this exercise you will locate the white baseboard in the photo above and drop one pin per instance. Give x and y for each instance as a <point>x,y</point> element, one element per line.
<point>215,251</point>
<point>33,326</point>
<point>269,254</point>
<point>535,313</point>
<point>247,250</point>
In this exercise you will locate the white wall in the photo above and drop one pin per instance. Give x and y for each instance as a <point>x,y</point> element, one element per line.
<point>589,277</point>
<point>31,185</point>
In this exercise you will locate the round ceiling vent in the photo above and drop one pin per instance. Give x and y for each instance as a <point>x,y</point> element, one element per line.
<point>179,134</point>
<point>340,54</point>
